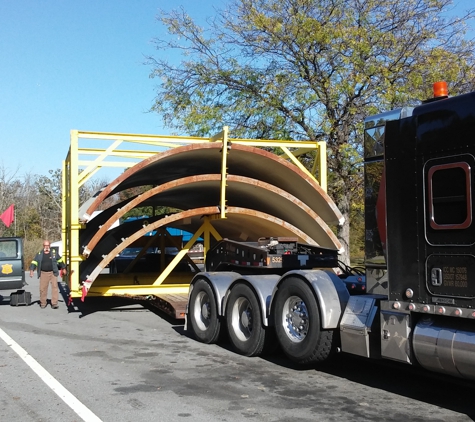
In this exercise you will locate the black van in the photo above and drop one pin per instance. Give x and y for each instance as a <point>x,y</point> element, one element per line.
<point>12,269</point>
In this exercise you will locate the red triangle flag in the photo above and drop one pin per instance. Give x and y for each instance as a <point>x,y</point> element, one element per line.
<point>8,216</point>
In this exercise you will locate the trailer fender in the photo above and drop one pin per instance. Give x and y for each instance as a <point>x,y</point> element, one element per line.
<point>220,281</point>
<point>263,286</point>
<point>331,294</point>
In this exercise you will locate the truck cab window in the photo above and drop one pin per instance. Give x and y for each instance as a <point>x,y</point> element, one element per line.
<point>449,195</point>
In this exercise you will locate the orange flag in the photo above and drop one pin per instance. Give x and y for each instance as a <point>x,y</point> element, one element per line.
<point>8,216</point>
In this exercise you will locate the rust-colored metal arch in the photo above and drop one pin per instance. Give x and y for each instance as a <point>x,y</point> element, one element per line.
<point>238,223</point>
<point>242,160</point>
<point>203,190</point>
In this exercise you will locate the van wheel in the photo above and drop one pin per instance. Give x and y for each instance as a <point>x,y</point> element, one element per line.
<point>297,323</point>
<point>244,321</point>
<point>204,322</point>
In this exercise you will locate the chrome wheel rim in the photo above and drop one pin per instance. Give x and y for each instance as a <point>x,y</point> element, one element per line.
<point>202,311</point>
<point>241,319</point>
<point>295,319</point>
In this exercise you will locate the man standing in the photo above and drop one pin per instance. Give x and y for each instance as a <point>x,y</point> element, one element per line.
<point>47,264</point>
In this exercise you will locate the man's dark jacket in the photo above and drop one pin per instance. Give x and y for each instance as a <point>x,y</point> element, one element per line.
<point>57,262</point>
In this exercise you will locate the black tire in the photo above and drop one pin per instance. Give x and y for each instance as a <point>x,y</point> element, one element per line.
<point>244,321</point>
<point>297,323</point>
<point>204,322</point>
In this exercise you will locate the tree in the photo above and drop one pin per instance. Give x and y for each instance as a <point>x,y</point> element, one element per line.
<point>310,69</point>
<point>7,196</point>
<point>50,204</point>
<point>21,192</point>
<point>49,201</point>
<point>38,203</point>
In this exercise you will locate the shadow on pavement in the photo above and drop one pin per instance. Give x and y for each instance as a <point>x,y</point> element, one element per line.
<point>405,380</point>
<point>96,304</point>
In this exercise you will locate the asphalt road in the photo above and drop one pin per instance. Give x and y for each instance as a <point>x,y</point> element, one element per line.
<point>113,360</point>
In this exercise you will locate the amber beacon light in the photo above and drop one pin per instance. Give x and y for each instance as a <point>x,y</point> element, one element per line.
<point>440,89</point>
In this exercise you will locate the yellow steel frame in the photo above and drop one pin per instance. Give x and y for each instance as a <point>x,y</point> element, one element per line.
<point>82,163</point>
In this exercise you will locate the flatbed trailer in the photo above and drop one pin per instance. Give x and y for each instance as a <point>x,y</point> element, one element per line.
<point>272,255</point>
<point>219,185</point>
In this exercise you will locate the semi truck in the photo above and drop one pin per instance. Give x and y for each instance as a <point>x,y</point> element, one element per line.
<point>419,303</point>
<point>270,254</point>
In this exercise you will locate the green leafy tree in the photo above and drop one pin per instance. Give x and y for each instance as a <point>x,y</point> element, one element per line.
<point>309,69</point>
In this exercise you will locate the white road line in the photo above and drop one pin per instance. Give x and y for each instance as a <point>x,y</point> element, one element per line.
<point>82,411</point>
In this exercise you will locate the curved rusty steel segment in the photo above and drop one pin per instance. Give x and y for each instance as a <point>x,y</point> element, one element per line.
<point>199,191</point>
<point>99,220</point>
<point>199,159</point>
<point>240,224</point>
<point>110,240</point>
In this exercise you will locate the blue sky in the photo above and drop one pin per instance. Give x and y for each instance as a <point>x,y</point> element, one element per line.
<point>75,64</point>
<point>79,64</point>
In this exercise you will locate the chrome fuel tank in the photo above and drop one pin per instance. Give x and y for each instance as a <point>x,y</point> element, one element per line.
<point>446,346</point>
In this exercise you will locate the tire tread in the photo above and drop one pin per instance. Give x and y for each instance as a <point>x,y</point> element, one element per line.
<point>251,347</point>
<point>320,342</point>
<point>212,334</point>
